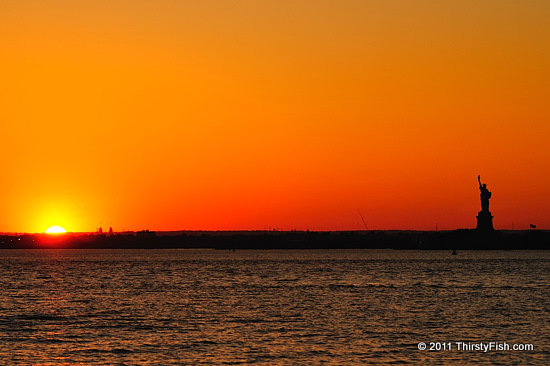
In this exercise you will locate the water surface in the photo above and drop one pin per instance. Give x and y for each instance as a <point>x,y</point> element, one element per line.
<point>278,307</point>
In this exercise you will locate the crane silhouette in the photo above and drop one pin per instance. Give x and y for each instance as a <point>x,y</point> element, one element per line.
<point>362,219</point>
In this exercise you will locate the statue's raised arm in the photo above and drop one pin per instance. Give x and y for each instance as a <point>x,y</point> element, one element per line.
<point>479,180</point>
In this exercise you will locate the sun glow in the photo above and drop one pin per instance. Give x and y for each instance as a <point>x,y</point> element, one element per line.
<point>55,230</point>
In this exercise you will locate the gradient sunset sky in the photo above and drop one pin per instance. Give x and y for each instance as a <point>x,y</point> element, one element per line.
<point>229,115</point>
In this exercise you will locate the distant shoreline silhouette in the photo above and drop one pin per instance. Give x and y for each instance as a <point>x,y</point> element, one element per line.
<point>373,239</point>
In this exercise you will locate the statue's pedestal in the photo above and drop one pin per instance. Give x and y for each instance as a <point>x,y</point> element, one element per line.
<point>484,221</point>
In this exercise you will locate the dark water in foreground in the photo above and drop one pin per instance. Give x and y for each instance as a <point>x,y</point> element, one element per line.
<point>272,307</point>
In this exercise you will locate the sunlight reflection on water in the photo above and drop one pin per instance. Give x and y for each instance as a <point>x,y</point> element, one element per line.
<point>270,307</point>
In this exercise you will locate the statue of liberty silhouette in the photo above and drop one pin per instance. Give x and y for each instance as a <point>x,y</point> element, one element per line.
<point>484,217</point>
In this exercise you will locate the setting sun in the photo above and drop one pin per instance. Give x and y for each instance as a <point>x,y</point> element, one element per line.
<point>55,230</point>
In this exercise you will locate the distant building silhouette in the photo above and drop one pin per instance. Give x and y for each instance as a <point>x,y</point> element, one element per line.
<point>484,217</point>
<point>146,234</point>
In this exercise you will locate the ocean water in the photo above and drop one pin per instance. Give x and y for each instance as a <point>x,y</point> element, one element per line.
<point>302,307</point>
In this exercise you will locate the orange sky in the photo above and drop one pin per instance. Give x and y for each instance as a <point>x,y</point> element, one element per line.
<point>222,115</point>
